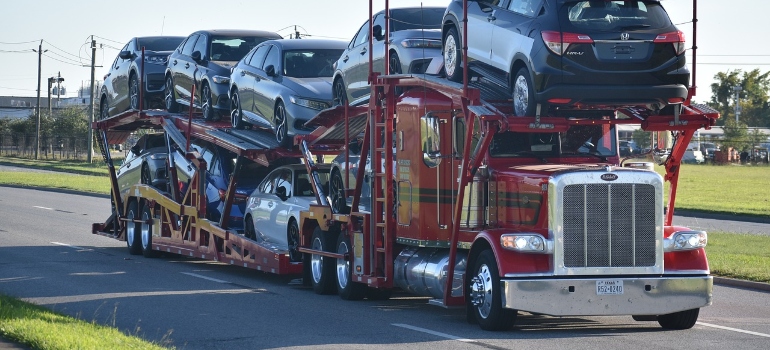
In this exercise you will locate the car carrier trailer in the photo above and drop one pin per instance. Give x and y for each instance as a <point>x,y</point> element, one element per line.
<point>445,217</point>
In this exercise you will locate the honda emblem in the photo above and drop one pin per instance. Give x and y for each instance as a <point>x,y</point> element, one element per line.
<point>624,36</point>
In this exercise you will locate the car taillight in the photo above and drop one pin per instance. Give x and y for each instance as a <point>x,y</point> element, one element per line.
<point>559,42</point>
<point>222,194</point>
<point>675,38</point>
<point>240,198</point>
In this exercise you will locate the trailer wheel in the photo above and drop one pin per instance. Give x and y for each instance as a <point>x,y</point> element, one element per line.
<point>453,65</point>
<point>523,94</point>
<point>321,267</point>
<point>679,320</point>
<point>168,96</point>
<point>133,238</point>
<point>485,295</point>
<point>346,288</point>
<point>146,232</point>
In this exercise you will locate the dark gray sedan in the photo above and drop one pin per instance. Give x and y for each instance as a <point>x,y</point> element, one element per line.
<point>281,84</point>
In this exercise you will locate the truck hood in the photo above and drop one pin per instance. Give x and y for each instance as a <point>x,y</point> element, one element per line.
<point>545,170</point>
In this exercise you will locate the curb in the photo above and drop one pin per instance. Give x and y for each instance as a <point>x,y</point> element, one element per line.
<point>731,282</point>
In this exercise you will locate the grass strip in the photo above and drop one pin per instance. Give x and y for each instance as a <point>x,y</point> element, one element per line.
<point>44,329</point>
<point>85,183</point>
<point>741,256</point>
<point>96,168</point>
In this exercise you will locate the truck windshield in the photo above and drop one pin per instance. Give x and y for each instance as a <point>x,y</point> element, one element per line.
<point>598,140</point>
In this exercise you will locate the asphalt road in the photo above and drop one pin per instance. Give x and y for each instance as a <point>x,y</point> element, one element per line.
<point>48,256</point>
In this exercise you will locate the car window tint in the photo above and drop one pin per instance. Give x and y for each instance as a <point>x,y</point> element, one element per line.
<point>273,58</point>
<point>302,186</point>
<point>187,49</point>
<point>158,43</point>
<point>524,7</point>
<point>284,181</point>
<point>200,46</point>
<point>155,140</point>
<point>232,48</point>
<point>363,34</point>
<point>615,15</point>
<point>215,168</point>
<point>379,20</point>
<point>259,56</point>
<point>416,18</point>
<point>313,63</point>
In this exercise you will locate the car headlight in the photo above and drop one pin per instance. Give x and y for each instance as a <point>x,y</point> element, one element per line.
<point>526,243</point>
<point>312,104</point>
<point>220,79</point>
<point>422,43</point>
<point>685,240</point>
<point>158,156</point>
<point>156,59</point>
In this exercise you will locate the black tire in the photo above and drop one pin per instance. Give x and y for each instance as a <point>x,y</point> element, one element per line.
<point>679,320</point>
<point>104,108</point>
<point>395,63</point>
<point>339,93</point>
<point>133,92</point>
<point>292,237</point>
<point>339,201</point>
<point>169,96</point>
<point>346,288</point>
<point>451,50</point>
<point>523,94</point>
<point>281,124</point>
<point>236,112</point>
<point>146,178</point>
<point>207,104</point>
<point>146,232</point>
<point>133,238</point>
<point>485,295</point>
<point>248,229</point>
<point>322,269</point>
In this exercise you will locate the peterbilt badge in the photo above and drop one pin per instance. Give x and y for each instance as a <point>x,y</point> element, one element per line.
<point>609,177</point>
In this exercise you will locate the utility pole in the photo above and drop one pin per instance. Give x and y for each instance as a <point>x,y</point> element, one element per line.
<point>37,109</point>
<point>50,84</point>
<point>58,90</point>
<point>91,103</point>
<point>737,90</point>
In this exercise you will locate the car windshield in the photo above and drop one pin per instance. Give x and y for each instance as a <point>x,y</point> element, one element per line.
<point>302,184</point>
<point>232,48</point>
<point>414,18</point>
<point>160,43</point>
<point>597,140</point>
<point>615,15</point>
<point>314,63</point>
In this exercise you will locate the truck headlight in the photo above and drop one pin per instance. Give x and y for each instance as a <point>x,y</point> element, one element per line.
<point>220,79</point>
<point>685,240</point>
<point>526,243</point>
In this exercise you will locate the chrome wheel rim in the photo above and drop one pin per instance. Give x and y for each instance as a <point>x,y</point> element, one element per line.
<point>130,228</point>
<point>293,240</point>
<point>339,93</point>
<point>521,95</point>
<point>395,64</point>
<point>169,94</point>
<point>145,230</point>
<point>280,123</point>
<point>450,55</point>
<point>235,111</point>
<point>337,189</point>
<point>206,102</point>
<point>316,261</point>
<point>134,93</point>
<point>481,291</point>
<point>343,266</point>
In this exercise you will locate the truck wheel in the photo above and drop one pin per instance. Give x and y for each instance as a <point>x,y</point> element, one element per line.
<point>523,94</point>
<point>346,288</point>
<point>168,96</point>
<point>321,267</point>
<point>485,295</point>
<point>146,232</point>
<point>679,320</point>
<point>133,239</point>
<point>451,50</point>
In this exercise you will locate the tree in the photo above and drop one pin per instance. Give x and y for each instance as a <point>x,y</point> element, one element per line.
<point>643,139</point>
<point>753,96</point>
<point>736,135</point>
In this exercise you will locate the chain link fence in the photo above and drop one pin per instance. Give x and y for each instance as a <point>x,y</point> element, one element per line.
<point>51,147</point>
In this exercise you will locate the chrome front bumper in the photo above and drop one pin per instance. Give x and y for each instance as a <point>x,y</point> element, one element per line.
<point>578,297</point>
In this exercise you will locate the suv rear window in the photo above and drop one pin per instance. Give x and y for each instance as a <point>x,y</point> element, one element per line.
<point>614,15</point>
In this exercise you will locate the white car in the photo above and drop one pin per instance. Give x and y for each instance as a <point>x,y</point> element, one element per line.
<point>272,210</point>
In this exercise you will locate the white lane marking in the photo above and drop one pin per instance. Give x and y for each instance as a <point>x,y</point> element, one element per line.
<point>438,334</point>
<point>204,277</point>
<point>70,246</point>
<point>35,206</point>
<point>734,329</point>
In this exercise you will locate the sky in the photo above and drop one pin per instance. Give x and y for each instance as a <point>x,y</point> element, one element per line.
<point>730,34</point>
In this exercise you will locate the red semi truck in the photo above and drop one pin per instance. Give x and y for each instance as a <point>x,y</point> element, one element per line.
<point>457,200</point>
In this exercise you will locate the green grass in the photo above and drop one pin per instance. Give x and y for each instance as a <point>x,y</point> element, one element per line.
<point>85,183</point>
<point>740,256</point>
<point>70,166</point>
<point>40,328</point>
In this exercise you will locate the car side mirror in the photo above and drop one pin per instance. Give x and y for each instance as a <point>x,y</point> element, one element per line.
<point>136,150</point>
<point>197,56</point>
<point>126,55</point>
<point>281,193</point>
<point>270,70</point>
<point>377,30</point>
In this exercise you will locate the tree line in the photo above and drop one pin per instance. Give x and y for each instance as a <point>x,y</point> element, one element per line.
<point>63,130</point>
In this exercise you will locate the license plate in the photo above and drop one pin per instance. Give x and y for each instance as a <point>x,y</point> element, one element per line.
<point>609,287</point>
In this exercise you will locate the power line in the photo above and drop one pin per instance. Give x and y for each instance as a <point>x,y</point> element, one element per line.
<point>52,45</point>
<point>10,88</point>
<point>58,60</point>
<point>21,42</point>
<point>114,41</point>
<point>65,58</point>
<point>16,51</point>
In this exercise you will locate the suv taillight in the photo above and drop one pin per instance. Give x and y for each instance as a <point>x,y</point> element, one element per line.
<point>559,42</point>
<point>676,38</point>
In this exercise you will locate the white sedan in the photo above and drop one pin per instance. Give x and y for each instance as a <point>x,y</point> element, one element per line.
<point>272,210</point>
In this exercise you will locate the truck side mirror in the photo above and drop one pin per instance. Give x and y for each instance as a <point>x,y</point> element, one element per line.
<point>430,140</point>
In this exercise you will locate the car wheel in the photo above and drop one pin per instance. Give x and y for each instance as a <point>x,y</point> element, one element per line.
<point>485,295</point>
<point>337,195</point>
<point>104,109</point>
<point>395,63</point>
<point>453,65</point>
<point>170,99</point>
<point>523,94</point>
<point>248,229</point>
<point>679,320</point>
<point>133,239</point>
<point>133,92</point>
<point>321,267</point>
<point>145,178</point>
<point>207,105</point>
<point>146,232</point>
<point>236,112</point>
<point>281,121</point>
<point>340,95</point>
<point>346,288</point>
<point>292,237</point>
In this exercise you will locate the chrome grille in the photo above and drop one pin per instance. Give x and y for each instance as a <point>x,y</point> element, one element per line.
<point>609,225</point>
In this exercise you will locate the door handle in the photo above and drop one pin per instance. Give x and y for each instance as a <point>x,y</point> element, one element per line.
<point>363,51</point>
<point>345,59</point>
<point>108,74</point>
<point>270,204</point>
<point>243,73</point>
<point>491,18</point>
<point>175,62</point>
<point>187,65</point>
